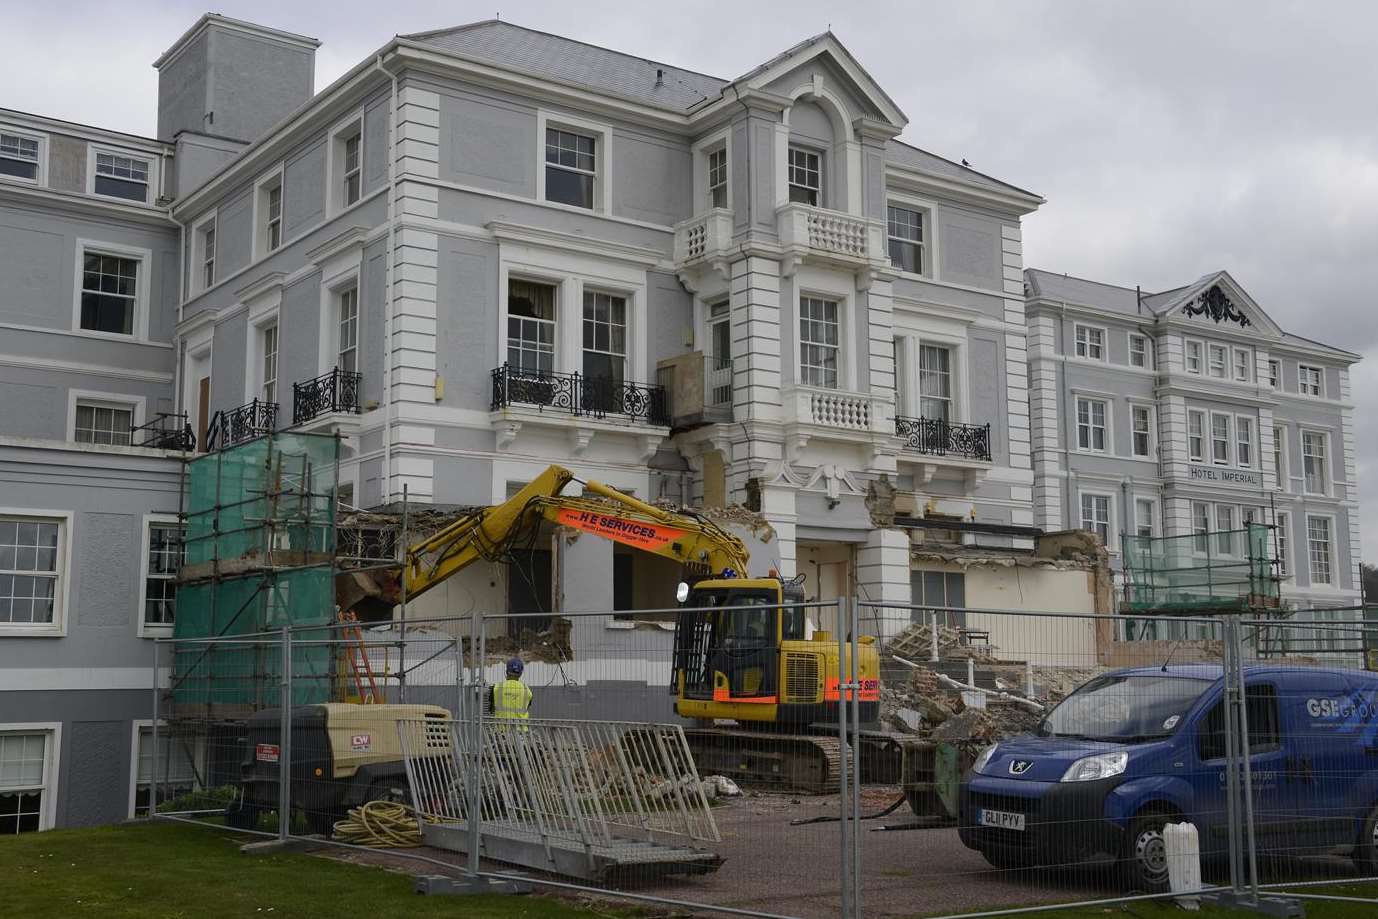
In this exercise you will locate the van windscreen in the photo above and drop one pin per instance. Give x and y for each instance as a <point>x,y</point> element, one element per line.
<point>1124,708</point>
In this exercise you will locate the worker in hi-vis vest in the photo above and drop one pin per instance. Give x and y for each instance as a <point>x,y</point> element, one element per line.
<point>511,698</point>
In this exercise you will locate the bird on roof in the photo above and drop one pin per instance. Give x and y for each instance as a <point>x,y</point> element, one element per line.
<point>966,164</point>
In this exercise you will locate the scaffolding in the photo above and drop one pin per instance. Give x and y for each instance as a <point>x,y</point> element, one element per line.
<point>259,555</point>
<point>1205,572</point>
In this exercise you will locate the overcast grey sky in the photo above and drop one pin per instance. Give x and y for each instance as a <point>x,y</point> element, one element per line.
<point>1170,138</point>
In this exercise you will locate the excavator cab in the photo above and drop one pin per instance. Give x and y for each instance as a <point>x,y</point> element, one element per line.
<point>730,642</point>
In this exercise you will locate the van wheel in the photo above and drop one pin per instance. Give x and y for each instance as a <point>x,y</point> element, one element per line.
<point>1145,856</point>
<point>1366,853</point>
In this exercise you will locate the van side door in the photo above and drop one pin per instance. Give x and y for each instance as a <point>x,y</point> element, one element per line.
<point>1331,756</point>
<point>1273,800</point>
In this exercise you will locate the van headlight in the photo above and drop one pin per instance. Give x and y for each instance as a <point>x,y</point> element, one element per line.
<point>981,761</point>
<point>1100,766</point>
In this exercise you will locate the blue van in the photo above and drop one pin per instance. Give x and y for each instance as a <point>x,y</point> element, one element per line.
<point>1134,749</point>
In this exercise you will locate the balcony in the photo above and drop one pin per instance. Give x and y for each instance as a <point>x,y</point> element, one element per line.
<point>334,393</point>
<point>699,387</point>
<point>165,432</point>
<point>231,426</point>
<point>818,234</point>
<point>703,238</point>
<point>835,413</point>
<point>938,437</point>
<point>580,396</point>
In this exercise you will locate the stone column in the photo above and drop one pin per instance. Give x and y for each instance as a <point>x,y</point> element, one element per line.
<point>882,576</point>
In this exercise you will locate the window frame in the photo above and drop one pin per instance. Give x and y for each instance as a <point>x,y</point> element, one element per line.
<point>1213,348</point>
<point>152,185</point>
<point>613,294</point>
<point>142,293</point>
<point>52,764</point>
<point>1251,442</point>
<point>1147,351</point>
<point>602,159</point>
<point>1154,516</point>
<point>1320,381</point>
<point>1274,373</point>
<point>199,256</point>
<point>263,186</point>
<point>40,179</point>
<point>1200,542</point>
<point>1326,475</point>
<point>337,299</point>
<point>1248,368</point>
<point>701,151</point>
<point>1107,446</point>
<point>838,347</point>
<point>1332,559</point>
<point>145,629</point>
<point>922,244</point>
<point>137,727</point>
<point>262,314</point>
<point>1200,455</point>
<point>1228,439</point>
<point>1077,342</point>
<point>137,404</point>
<point>1109,497</point>
<point>336,164</point>
<point>556,306</point>
<point>820,193</point>
<point>62,592</point>
<point>1281,460</point>
<point>1283,544</point>
<point>1200,346</point>
<point>1150,438</point>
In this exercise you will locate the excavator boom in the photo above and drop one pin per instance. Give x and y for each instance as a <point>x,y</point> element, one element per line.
<point>492,534</point>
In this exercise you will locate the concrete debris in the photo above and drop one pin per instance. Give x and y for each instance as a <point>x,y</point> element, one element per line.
<point>722,786</point>
<point>915,643</point>
<point>908,720</point>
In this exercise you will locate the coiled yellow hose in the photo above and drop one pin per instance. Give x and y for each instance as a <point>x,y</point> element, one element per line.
<point>381,824</point>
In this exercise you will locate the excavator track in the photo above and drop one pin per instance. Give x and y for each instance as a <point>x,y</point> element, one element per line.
<point>806,763</point>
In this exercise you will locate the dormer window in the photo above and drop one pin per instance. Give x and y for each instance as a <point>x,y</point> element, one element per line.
<point>19,156</point>
<point>805,176</point>
<point>119,176</point>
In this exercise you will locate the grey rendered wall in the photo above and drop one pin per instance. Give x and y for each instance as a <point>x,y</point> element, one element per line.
<point>199,157</point>
<point>182,87</point>
<point>488,140</point>
<point>670,315</point>
<point>467,324</point>
<point>67,163</point>
<point>969,247</point>
<point>377,114</point>
<point>34,401</point>
<point>303,189</point>
<point>254,84</point>
<point>372,280</point>
<point>234,232</point>
<point>228,354</point>
<point>299,333</point>
<point>93,777</point>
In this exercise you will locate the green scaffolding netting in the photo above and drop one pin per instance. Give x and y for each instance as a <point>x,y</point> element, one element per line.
<point>260,555</point>
<point>1200,571</point>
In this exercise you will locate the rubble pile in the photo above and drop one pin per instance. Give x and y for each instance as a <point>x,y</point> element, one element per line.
<point>927,707</point>
<point>915,644</point>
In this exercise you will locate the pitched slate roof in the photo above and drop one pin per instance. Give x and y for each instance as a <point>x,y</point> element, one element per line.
<point>897,151</point>
<point>565,60</point>
<point>1049,285</point>
<point>627,76</point>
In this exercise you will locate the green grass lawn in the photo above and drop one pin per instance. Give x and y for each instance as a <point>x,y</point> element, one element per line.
<point>176,871</point>
<point>1315,909</point>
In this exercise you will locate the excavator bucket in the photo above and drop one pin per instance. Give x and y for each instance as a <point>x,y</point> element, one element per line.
<point>370,594</point>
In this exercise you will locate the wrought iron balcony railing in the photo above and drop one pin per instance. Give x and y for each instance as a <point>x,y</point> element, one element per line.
<point>231,426</point>
<point>576,394</point>
<point>937,437</point>
<point>165,432</point>
<point>336,391</point>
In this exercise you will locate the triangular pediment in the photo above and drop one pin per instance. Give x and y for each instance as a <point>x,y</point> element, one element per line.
<point>823,60</point>
<point>1216,300</point>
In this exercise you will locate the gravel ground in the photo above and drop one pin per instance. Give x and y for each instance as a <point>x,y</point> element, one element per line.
<point>774,867</point>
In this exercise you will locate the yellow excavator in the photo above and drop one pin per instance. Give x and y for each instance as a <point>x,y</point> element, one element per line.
<point>741,653</point>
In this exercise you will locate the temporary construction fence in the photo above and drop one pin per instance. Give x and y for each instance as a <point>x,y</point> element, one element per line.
<point>1007,759</point>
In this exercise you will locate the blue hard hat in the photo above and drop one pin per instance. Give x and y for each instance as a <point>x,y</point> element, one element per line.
<point>515,666</point>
